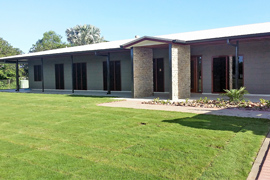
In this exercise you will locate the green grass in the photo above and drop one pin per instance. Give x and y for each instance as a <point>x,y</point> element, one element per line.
<point>68,137</point>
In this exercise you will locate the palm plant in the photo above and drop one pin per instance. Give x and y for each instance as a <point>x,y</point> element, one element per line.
<point>84,34</point>
<point>235,95</point>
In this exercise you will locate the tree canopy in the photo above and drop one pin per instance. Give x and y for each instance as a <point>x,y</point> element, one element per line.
<point>7,50</point>
<point>50,40</point>
<point>84,34</point>
<point>8,71</point>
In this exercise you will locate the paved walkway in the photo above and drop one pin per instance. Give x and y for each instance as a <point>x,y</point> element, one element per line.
<point>261,166</point>
<point>136,104</point>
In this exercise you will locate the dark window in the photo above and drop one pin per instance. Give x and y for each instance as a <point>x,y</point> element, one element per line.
<point>115,75</point>
<point>240,69</point>
<point>59,76</point>
<point>220,74</point>
<point>79,76</point>
<point>37,73</point>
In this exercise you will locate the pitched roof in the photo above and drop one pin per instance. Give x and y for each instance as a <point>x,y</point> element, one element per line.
<point>221,32</point>
<point>252,29</point>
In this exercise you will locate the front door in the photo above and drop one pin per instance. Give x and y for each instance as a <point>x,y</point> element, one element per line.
<point>220,74</point>
<point>115,75</point>
<point>158,74</point>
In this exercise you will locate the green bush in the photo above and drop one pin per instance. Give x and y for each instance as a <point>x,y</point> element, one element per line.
<point>235,95</point>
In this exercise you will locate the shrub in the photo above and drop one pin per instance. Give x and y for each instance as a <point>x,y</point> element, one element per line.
<point>235,95</point>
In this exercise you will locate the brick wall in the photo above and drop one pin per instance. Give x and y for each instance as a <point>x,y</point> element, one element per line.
<point>180,71</point>
<point>142,72</point>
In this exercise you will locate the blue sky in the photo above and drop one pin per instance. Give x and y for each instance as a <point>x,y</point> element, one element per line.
<point>23,22</point>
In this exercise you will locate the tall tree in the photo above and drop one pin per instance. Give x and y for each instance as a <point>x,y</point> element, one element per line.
<point>7,50</point>
<point>50,40</point>
<point>8,71</point>
<point>83,34</point>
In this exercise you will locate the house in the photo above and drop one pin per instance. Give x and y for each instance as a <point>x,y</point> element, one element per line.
<point>197,62</point>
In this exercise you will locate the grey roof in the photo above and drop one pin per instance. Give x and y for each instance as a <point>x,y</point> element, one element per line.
<point>252,29</point>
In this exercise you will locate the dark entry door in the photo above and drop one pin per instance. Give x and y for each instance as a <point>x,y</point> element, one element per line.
<point>79,76</point>
<point>115,75</point>
<point>59,76</point>
<point>158,74</point>
<point>193,79</point>
<point>196,74</point>
<point>220,74</point>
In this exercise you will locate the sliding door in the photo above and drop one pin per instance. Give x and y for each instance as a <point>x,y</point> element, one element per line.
<point>79,76</point>
<point>115,75</point>
<point>196,74</point>
<point>59,76</point>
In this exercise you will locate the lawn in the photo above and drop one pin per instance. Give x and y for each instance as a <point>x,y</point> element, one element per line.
<point>70,137</point>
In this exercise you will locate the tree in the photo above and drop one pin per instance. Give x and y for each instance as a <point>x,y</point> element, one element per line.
<point>50,40</point>
<point>7,50</point>
<point>84,34</point>
<point>8,71</point>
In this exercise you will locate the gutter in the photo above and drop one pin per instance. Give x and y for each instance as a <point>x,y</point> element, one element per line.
<point>179,41</point>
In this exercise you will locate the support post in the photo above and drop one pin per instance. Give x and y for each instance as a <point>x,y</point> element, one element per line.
<point>17,76</point>
<point>236,65</point>
<point>42,74</point>
<point>108,74</point>
<point>236,61</point>
<point>72,74</point>
<point>132,72</point>
<point>170,71</point>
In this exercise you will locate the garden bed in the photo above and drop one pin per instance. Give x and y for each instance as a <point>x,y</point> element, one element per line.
<point>263,105</point>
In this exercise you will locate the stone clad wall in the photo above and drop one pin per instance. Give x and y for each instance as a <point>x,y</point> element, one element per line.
<point>175,72</point>
<point>142,72</point>
<point>180,71</point>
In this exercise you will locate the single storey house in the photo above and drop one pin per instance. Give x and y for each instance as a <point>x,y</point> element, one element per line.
<point>180,64</point>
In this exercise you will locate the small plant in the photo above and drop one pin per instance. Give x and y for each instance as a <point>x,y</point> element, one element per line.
<point>205,100</point>
<point>187,100</point>
<point>262,101</point>
<point>267,103</point>
<point>235,95</point>
<point>156,100</point>
<point>168,101</point>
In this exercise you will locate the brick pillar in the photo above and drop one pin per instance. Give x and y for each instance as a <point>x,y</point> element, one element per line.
<point>142,72</point>
<point>180,71</point>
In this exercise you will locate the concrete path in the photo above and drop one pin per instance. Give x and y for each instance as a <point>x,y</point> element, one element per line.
<point>137,104</point>
<point>261,166</point>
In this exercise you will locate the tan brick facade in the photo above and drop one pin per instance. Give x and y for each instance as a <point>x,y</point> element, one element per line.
<point>142,72</point>
<point>180,71</point>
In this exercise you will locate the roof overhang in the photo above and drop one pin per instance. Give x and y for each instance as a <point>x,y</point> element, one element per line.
<point>149,41</point>
<point>236,38</point>
<point>24,58</point>
<point>215,36</point>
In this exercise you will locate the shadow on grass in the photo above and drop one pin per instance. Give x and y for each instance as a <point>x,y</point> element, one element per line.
<point>224,123</point>
<point>91,96</point>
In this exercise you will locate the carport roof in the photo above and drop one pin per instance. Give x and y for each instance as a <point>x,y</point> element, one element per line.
<point>244,31</point>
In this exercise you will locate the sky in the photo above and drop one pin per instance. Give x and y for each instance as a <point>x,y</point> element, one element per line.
<point>23,22</point>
